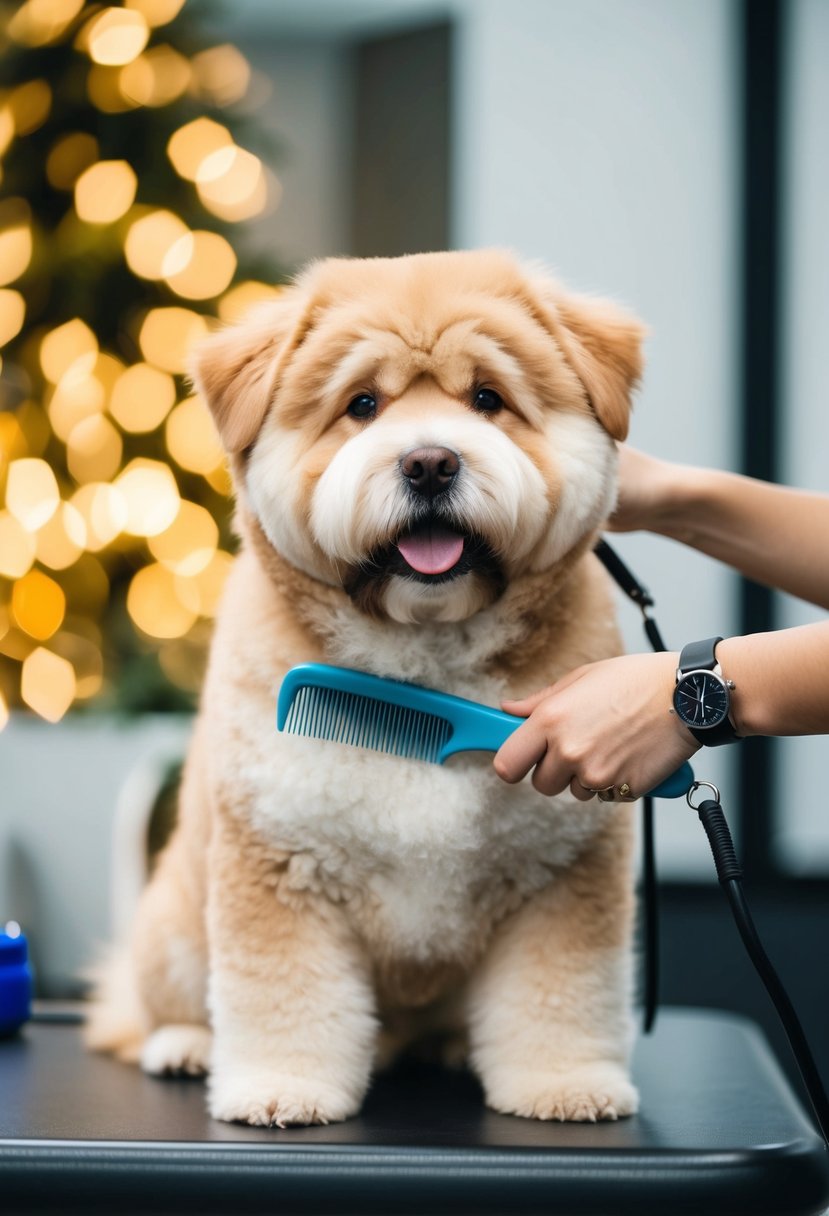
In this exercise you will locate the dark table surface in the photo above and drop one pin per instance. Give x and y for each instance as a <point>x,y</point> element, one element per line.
<point>719,1132</point>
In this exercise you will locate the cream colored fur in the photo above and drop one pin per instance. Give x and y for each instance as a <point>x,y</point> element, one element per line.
<point>319,904</point>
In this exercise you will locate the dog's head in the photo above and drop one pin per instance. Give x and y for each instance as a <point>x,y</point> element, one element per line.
<point>424,429</point>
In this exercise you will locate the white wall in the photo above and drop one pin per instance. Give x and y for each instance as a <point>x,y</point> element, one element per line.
<point>59,786</point>
<point>600,136</point>
<point>801,803</point>
<point>308,113</point>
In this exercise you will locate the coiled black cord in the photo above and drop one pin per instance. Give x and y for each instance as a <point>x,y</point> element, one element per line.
<point>729,873</point>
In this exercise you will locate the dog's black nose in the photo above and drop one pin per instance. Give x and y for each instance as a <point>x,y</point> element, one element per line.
<point>430,471</point>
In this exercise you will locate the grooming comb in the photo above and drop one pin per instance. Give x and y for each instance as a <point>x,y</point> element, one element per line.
<point>346,706</point>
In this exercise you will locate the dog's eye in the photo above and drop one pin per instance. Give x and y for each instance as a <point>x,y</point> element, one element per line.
<point>364,406</point>
<point>487,401</point>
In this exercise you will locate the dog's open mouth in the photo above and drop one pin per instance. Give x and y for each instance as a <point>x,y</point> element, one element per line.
<point>431,549</point>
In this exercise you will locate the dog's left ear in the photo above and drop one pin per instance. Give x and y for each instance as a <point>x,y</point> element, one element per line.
<point>236,369</point>
<point>603,345</point>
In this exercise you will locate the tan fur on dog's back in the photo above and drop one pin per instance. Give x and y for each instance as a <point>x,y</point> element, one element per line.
<point>314,894</point>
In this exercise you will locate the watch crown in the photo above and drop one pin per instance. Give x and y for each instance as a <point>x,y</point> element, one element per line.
<point>730,684</point>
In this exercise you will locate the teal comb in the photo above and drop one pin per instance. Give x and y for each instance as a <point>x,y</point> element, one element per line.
<point>347,706</point>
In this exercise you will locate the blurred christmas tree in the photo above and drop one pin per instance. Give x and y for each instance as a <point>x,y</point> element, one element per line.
<point>123,173</point>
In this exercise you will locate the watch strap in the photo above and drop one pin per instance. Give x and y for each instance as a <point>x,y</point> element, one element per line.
<point>699,656</point>
<point>723,732</point>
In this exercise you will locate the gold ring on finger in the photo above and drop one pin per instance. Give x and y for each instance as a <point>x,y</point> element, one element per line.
<point>607,795</point>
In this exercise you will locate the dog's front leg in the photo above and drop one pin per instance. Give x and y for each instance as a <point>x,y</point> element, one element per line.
<point>290,999</point>
<point>549,1005</point>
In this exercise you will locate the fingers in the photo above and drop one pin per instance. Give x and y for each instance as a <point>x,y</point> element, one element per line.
<point>581,791</point>
<point>521,752</point>
<point>524,706</point>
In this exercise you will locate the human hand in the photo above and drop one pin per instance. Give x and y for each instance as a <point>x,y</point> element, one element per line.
<point>602,725</point>
<point>646,489</point>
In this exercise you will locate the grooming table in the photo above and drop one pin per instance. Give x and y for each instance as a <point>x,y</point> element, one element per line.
<point>720,1132</point>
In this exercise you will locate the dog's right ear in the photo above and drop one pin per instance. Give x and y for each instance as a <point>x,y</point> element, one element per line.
<point>236,369</point>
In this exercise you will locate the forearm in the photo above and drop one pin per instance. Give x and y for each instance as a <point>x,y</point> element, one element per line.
<point>781,680</point>
<point>774,535</point>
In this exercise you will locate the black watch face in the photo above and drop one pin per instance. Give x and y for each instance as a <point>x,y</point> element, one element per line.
<point>701,700</point>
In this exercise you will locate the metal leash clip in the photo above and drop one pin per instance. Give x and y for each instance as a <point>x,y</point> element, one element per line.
<point>698,785</point>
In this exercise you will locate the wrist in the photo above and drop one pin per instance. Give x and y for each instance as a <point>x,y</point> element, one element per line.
<point>749,713</point>
<point>683,503</point>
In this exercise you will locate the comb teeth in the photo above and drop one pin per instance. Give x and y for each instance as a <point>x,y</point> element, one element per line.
<point>347,717</point>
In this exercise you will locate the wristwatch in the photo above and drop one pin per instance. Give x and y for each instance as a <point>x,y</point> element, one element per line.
<point>702,696</point>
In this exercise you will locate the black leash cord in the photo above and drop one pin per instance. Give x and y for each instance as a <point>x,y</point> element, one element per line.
<point>633,589</point>
<point>729,873</point>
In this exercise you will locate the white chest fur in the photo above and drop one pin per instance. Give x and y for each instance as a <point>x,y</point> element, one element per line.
<point>425,856</point>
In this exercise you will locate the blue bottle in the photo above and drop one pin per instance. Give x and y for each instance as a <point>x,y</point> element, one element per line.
<point>15,980</point>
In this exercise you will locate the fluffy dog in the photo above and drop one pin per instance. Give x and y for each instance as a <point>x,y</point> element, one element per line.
<point>422,450</point>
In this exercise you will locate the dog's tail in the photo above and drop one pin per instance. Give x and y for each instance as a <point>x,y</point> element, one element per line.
<point>116,1019</point>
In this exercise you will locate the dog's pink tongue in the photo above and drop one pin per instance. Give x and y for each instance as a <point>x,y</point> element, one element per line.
<point>432,552</point>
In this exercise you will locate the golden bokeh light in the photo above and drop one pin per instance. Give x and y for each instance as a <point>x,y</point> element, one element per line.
<point>222,74</point>
<point>199,265</point>
<point>192,438</point>
<point>231,184</point>
<point>192,144</point>
<point>142,398</point>
<point>155,78</point>
<point>64,346</point>
<point>93,450</point>
<point>86,659</point>
<point>78,396</point>
<point>68,158</point>
<point>47,684</point>
<point>29,105</point>
<point>188,545</point>
<point>202,592</point>
<point>116,36</point>
<point>61,541</point>
<point>35,427</point>
<point>39,22</point>
<point>12,314</point>
<point>105,191</point>
<point>103,85</point>
<point>244,296</point>
<point>150,496</point>
<point>32,493</point>
<point>107,371</point>
<point>6,128</point>
<point>12,436</point>
<point>17,547</point>
<point>38,605</point>
<point>15,248</point>
<point>156,12</point>
<point>149,240</point>
<point>103,511</point>
<point>15,644</point>
<point>167,336</point>
<point>220,480</point>
<point>154,605</point>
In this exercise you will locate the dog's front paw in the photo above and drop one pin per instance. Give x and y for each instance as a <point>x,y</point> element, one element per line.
<point>177,1050</point>
<point>279,1100</point>
<point>583,1095</point>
